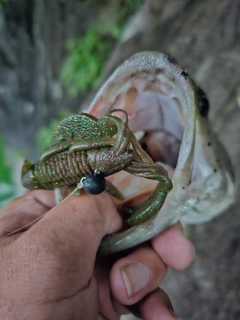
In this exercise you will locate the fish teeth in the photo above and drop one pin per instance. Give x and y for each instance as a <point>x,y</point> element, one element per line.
<point>139,135</point>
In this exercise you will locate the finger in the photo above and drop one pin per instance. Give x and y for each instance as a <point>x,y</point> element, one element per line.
<point>174,248</point>
<point>135,275</point>
<point>109,307</point>
<point>157,305</point>
<point>71,232</point>
<point>23,210</point>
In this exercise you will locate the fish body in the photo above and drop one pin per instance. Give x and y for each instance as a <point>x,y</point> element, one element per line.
<point>164,103</point>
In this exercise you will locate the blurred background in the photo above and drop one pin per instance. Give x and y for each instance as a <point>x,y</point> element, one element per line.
<point>53,57</point>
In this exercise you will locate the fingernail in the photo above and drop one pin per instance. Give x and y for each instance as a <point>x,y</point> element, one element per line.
<point>135,276</point>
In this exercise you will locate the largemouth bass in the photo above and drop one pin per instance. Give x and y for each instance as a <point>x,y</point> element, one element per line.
<point>169,114</point>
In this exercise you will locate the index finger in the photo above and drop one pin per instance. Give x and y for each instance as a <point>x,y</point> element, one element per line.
<point>21,212</point>
<point>72,230</point>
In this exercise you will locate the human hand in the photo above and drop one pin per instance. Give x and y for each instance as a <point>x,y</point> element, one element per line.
<point>51,271</point>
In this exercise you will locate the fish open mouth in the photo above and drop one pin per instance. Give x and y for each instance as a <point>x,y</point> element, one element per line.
<point>155,116</point>
<point>158,124</point>
<point>168,114</point>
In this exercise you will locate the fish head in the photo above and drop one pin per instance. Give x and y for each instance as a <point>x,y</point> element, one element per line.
<point>169,114</point>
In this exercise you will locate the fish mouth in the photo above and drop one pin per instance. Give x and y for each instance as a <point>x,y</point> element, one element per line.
<point>164,112</point>
<point>154,105</point>
<point>158,129</point>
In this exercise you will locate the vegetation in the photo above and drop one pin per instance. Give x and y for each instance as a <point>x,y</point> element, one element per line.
<point>87,54</point>
<point>85,61</point>
<point>2,2</point>
<point>7,190</point>
<point>44,134</point>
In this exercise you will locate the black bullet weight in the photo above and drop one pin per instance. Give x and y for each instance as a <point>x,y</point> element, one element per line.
<point>94,184</point>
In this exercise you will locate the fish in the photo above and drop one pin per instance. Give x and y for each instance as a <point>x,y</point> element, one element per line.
<point>168,112</point>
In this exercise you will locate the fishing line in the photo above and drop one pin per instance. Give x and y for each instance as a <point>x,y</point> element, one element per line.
<point>78,187</point>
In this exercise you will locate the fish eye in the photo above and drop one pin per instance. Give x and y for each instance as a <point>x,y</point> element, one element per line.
<point>203,105</point>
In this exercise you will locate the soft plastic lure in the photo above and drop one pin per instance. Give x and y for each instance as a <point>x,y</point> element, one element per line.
<point>84,151</point>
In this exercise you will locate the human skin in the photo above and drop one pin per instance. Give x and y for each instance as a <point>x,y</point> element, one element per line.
<point>51,271</point>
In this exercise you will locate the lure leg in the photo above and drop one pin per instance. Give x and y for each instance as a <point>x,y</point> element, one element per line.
<point>149,207</point>
<point>143,156</point>
<point>92,144</point>
<point>114,191</point>
<point>77,144</point>
<point>123,133</point>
